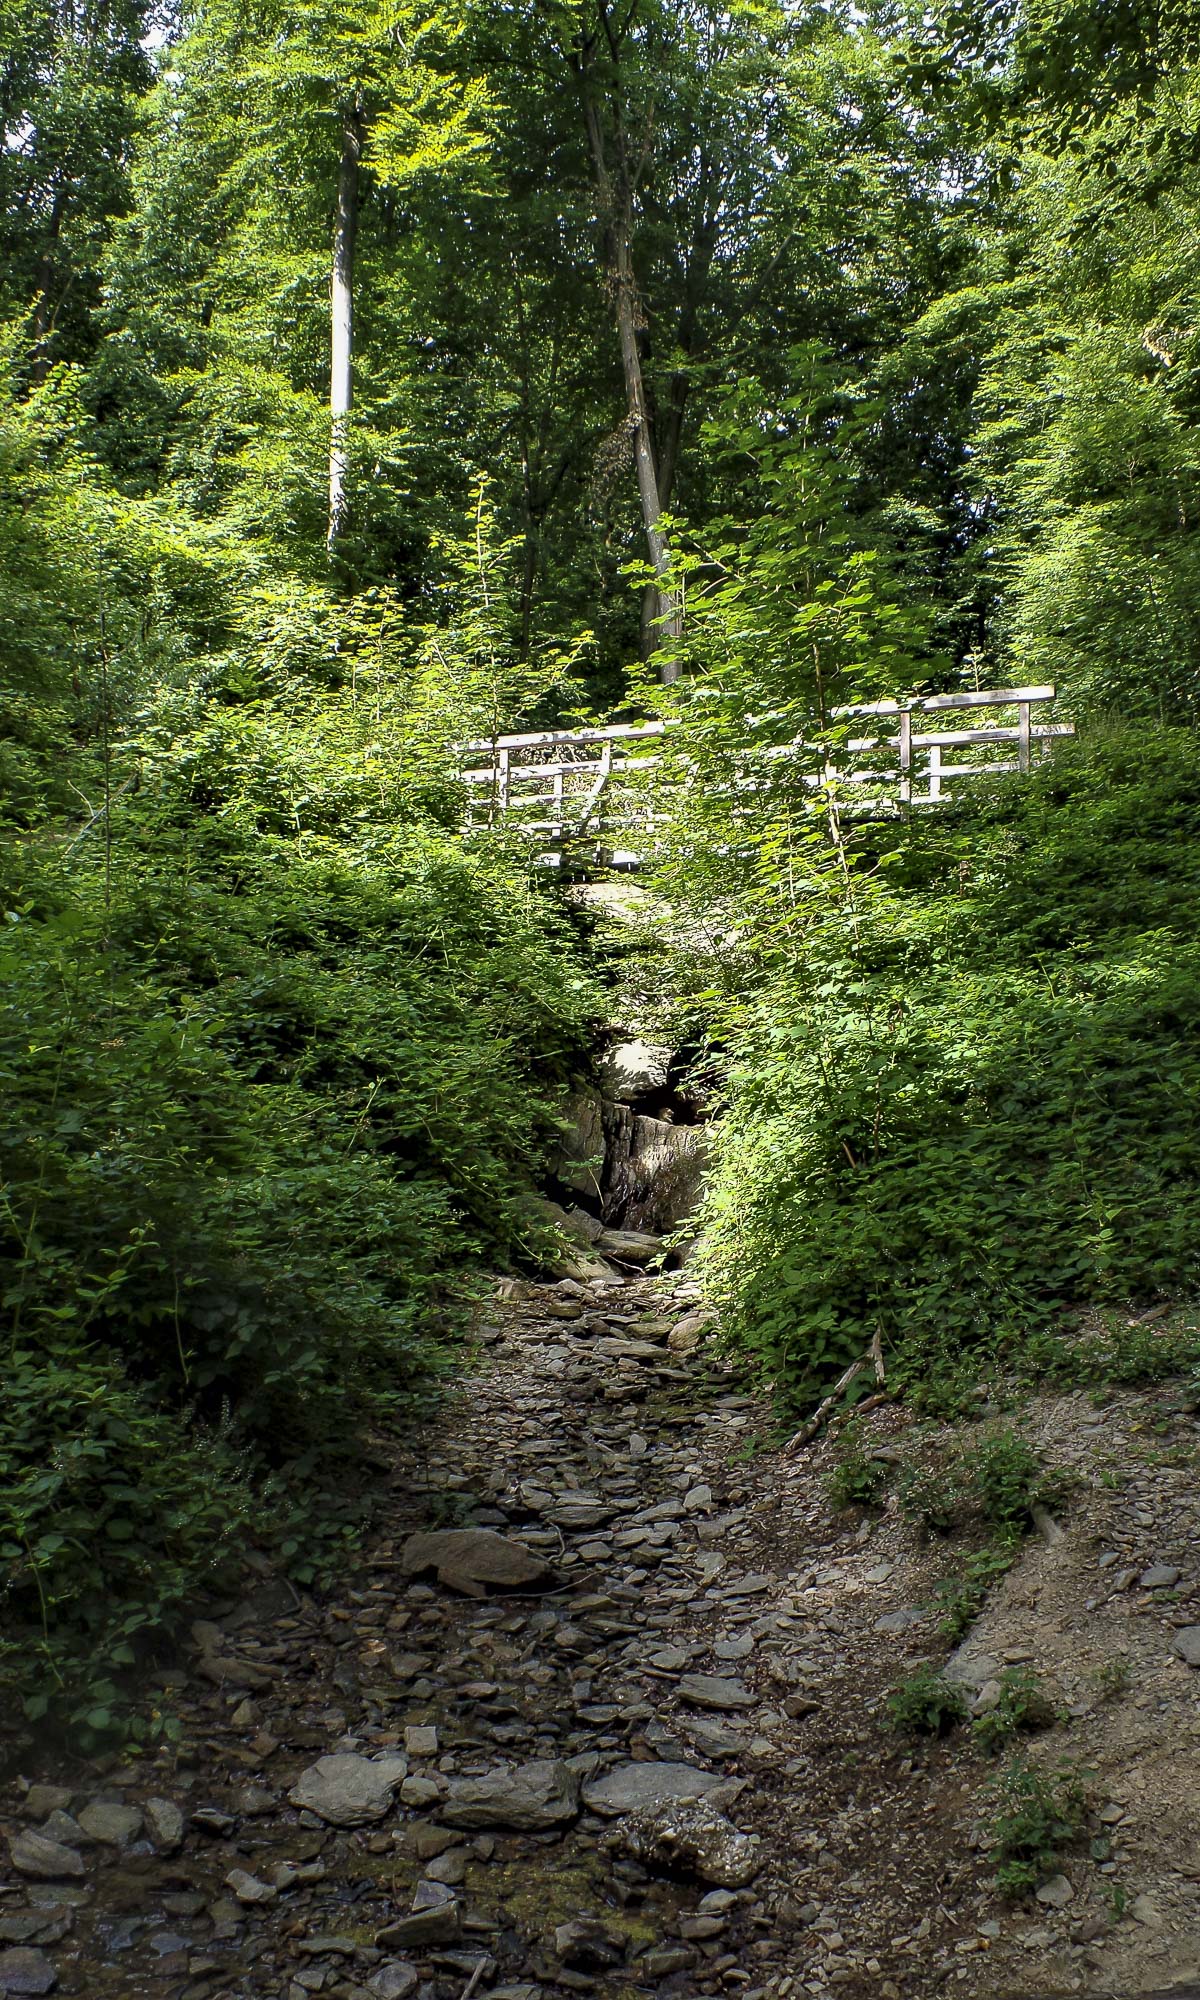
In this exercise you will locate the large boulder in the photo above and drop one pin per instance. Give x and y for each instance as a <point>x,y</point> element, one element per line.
<point>633,1070</point>
<point>629,1246</point>
<point>690,1837</point>
<point>653,1169</point>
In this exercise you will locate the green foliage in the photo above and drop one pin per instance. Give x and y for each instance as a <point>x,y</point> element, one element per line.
<point>1036,1816</point>
<point>925,1703</point>
<point>857,1478</point>
<point>280,1056</point>
<point>960,1598</point>
<point>1023,1705</point>
<point>962,1104</point>
<point>996,1480</point>
<point>1113,1677</point>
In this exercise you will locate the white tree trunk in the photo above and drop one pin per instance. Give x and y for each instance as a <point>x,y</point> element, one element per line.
<point>341,344</point>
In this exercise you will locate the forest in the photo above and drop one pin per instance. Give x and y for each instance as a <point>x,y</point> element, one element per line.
<point>382,375</point>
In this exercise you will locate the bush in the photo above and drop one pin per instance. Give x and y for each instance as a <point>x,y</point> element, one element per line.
<point>252,1148</point>
<point>1037,1815</point>
<point>995,1480</point>
<point>856,1478</point>
<point>960,1599</point>
<point>1022,1705</point>
<point>970,1111</point>
<point>280,1056</point>
<point>925,1703</point>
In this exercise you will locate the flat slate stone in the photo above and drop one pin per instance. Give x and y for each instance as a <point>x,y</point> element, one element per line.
<point>348,1790</point>
<point>1187,1645</point>
<point>528,1798</point>
<point>716,1691</point>
<point>900,1621</point>
<point>45,1860</point>
<point>630,1787</point>
<point>111,1825</point>
<point>25,1971</point>
<point>473,1560</point>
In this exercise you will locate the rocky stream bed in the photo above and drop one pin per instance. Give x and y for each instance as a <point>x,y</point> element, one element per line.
<point>596,1712</point>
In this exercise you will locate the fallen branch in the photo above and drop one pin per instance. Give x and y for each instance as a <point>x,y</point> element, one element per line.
<point>873,1358</point>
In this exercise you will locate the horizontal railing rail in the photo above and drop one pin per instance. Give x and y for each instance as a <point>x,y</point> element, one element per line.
<point>587,783</point>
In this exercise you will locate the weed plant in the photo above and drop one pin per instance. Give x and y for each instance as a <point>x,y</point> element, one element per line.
<point>925,1703</point>
<point>1036,1816</point>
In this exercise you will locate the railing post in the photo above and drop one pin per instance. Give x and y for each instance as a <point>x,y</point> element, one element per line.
<point>502,780</point>
<point>1023,737</point>
<point>905,756</point>
<point>935,770</point>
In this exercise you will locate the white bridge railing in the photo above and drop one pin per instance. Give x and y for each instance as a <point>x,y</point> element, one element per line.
<point>599,785</point>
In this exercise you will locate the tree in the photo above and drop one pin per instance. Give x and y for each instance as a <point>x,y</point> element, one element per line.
<point>71,79</point>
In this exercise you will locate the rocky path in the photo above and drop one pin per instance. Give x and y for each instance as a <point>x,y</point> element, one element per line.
<point>597,1712</point>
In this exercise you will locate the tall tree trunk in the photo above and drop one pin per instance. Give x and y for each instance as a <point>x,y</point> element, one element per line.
<point>44,312</point>
<point>665,616</point>
<point>662,621</point>
<point>341,344</point>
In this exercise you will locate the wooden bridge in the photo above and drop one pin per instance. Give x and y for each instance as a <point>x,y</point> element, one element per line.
<point>567,787</point>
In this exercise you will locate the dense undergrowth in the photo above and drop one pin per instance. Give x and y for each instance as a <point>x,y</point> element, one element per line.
<point>964,1107</point>
<point>280,1059</point>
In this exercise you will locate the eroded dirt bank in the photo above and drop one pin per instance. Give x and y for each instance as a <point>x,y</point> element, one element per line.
<point>706,1608</point>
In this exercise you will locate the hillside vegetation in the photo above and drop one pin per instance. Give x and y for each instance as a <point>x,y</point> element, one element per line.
<point>377,377</point>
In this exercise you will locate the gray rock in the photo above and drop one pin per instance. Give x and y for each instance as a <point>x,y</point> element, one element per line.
<point>45,1860</point>
<point>42,1800</point>
<point>738,1647</point>
<point>691,1835</point>
<point>26,1971</point>
<point>111,1825</point>
<point>528,1799</point>
<point>472,1560</point>
<point>250,1888</point>
<point>716,1691</point>
<point>632,1787</point>
<point>635,1069</point>
<point>687,1333</point>
<point>437,1923</point>
<point>1187,1645</point>
<point>588,1945</point>
<point>971,1670</point>
<point>580,1510</point>
<point>394,1982</point>
<point>1056,1892</point>
<point>579,1160</point>
<point>349,1790</point>
<point>418,1791</point>
<point>902,1620</point>
<point>164,1823</point>
<point>629,1246</point>
<point>1159,1576</point>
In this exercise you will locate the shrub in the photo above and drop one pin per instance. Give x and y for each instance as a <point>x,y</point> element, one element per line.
<point>1036,1816</point>
<point>995,1479</point>
<point>969,1111</point>
<point>1023,1705</point>
<point>925,1703</point>
<point>856,1478</point>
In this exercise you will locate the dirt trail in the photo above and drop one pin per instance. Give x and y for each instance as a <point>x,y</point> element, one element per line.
<point>705,1608</point>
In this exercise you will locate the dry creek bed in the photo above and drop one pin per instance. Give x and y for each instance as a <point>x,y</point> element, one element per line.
<point>400,1787</point>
